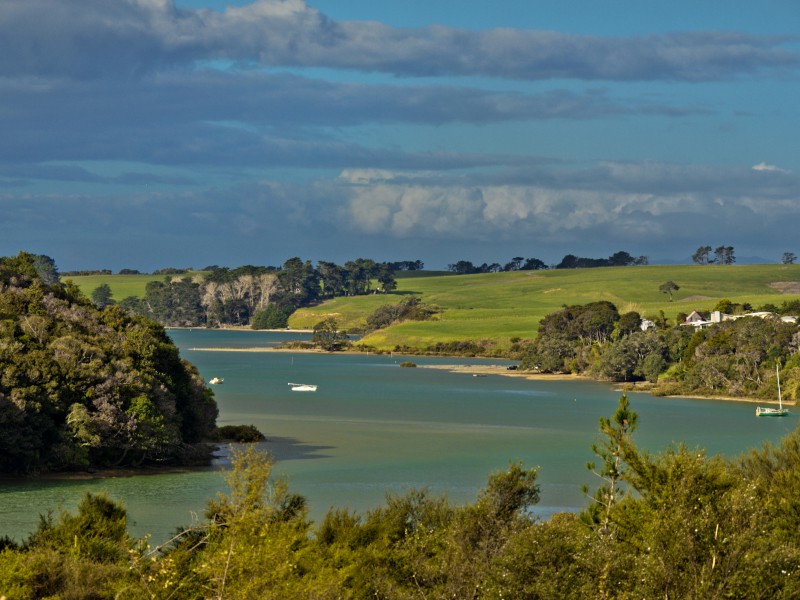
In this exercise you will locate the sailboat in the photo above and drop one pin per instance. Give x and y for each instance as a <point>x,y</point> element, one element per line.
<point>774,412</point>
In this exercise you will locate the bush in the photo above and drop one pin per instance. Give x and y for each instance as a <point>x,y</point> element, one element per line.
<point>272,317</point>
<point>243,434</point>
<point>407,363</point>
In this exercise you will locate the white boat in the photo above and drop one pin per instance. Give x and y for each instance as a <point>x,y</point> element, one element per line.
<point>216,380</point>
<point>303,387</point>
<point>774,412</point>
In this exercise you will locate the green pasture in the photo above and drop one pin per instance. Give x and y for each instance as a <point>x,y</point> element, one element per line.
<point>501,306</point>
<point>122,286</point>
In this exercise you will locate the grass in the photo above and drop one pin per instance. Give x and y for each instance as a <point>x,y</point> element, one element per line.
<point>122,286</point>
<point>501,306</point>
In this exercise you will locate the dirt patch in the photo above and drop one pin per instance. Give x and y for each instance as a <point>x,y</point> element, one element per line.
<point>786,287</point>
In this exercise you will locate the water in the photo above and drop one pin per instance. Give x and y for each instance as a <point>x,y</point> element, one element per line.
<point>373,428</point>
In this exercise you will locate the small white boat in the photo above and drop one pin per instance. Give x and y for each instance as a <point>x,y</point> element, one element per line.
<point>303,387</point>
<point>774,412</point>
<point>216,380</point>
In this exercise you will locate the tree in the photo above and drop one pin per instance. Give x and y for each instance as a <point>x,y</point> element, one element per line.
<point>702,256</point>
<point>274,316</point>
<point>621,259</point>
<point>514,264</point>
<point>668,287</point>
<point>724,255</point>
<point>789,258</point>
<point>327,335</point>
<point>46,269</point>
<point>299,279</point>
<point>462,267</point>
<point>101,296</point>
<point>629,322</point>
<point>533,264</point>
<point>386,279</point>
<point>616,442</point>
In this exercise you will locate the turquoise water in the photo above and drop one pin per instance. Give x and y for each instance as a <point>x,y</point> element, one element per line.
<point>373,428</point>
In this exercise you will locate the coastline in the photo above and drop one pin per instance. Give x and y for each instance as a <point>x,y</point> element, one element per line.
<point>504,372</point>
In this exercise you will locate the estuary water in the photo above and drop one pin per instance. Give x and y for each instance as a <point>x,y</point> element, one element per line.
<point>373,428</point>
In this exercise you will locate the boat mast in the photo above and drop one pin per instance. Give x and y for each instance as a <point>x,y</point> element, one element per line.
<point>778,373</point>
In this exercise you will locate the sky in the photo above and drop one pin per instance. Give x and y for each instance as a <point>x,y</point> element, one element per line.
<point>148,134</point>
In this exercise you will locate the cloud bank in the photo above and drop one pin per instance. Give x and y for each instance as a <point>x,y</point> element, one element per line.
<point>271,129</point>
<point>96,38</point>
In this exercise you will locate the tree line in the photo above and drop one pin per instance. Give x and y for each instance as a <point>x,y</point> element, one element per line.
<point>262,297</point>
<point>676,524</point>
<point>570,261</point>
<point>736,357</point>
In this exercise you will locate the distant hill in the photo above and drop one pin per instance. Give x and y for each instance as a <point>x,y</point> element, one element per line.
<point>508,305</point>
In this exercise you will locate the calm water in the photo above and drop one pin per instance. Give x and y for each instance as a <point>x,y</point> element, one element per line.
<point>373,428</point>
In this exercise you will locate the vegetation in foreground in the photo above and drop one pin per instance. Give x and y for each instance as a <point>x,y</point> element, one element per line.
<point>678,524</point>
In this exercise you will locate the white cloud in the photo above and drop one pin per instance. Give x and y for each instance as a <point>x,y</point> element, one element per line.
<point>614,206</point>
<point>762,166</point>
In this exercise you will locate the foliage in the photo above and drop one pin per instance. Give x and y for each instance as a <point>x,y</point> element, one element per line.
<point>618,259</point>
<point>409,309</point>
<point>101,296</point>
<point>612,451</point>
<point>82,387</point>
<point>734,357</point>
<point>274,316</point>
<point>518,263</point>
<point>668,287</point>
<point>328,336</point>
<point>678,524</point>
<point>243,434</point>
<point>702,256</point>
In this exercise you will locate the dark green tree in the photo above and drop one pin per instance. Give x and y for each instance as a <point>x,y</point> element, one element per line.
<point>101,296</point>
<point>274,316</point>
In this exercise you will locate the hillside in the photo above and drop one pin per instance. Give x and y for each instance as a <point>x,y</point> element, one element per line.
<point>84,388</point>
<point>502,306</point>
<point>507,305</point>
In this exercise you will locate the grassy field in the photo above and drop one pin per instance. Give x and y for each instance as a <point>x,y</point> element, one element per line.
<point>501,306</point>
<point>122,286</point>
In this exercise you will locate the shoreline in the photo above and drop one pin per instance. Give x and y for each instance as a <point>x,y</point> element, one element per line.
<point>632,386</point>
<point>502,371</point>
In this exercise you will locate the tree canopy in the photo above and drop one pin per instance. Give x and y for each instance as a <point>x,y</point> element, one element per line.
<point>82,387</point>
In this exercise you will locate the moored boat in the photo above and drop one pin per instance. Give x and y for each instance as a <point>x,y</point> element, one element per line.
<point>762,411</point>
<point>303,387</point>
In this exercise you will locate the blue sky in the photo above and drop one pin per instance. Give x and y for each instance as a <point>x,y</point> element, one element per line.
<point>152,133</point>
